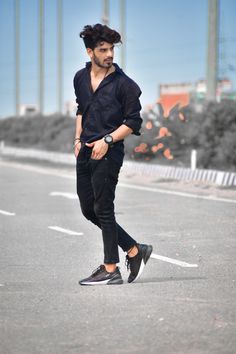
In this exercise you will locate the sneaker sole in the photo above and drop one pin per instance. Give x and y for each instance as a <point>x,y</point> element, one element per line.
<point>144,262</point>
<point>103,282</point>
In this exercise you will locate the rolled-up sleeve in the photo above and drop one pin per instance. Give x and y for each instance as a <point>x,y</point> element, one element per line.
<point>79,110</point>
<point>131,106</point>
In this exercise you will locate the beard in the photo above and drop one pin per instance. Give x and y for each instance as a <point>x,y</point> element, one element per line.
<point>105,64</point>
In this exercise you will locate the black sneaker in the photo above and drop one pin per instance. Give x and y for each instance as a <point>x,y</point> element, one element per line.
<point>137,263</point>
<point>101,276</point>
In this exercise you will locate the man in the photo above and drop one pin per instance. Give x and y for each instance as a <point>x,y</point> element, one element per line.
<point>108,111</point>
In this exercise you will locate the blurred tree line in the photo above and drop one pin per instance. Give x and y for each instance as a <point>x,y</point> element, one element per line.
<point>211,132</point>
<point>166,140</point>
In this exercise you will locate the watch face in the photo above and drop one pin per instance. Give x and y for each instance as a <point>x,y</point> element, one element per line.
<point>108,139</point>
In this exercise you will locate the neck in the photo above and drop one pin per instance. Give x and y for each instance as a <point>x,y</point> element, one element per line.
<point>98,71</point>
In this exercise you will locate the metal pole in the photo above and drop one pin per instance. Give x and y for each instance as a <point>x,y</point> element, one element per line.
<point>193,160</point>
<point>41,56</point>
<point>212,60</point>
<point>59,56</point>
<point>17,58</point>
<point>105,16</point>
<point>123,33</point>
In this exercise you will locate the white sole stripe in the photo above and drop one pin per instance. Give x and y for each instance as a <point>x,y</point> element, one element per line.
<point>140,271</point>
<point>103,282</point>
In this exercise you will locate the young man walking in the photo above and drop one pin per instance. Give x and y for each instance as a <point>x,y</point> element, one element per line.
<point>108,111</point>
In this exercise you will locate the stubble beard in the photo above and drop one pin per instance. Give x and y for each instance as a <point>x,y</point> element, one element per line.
<point>102,65</point>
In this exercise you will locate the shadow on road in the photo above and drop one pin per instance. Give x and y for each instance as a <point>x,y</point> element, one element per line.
<point>161,280</point>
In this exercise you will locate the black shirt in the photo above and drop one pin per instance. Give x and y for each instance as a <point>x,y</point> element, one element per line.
<point>115,102</point>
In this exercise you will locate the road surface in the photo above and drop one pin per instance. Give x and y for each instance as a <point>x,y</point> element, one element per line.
<point>47,246</point>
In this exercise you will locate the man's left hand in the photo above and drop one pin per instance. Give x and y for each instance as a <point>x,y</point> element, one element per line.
<point>100,148</point>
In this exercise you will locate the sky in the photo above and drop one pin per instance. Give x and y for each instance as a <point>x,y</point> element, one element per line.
<point>166,42</point>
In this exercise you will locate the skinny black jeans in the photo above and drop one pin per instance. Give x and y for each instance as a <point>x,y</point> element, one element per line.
<point>96,184</point>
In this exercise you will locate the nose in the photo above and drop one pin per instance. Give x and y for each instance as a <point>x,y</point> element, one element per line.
<point>110,53</point>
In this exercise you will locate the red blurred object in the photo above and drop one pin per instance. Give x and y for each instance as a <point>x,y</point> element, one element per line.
<point>149,125</point>
<point>157,147</point>
<point>163,132</point>
<point>141,148</point>
<point>167,154</point>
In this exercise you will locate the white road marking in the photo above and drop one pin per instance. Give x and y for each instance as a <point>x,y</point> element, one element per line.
<point>65,231</point>
<point>179,194</point>
<point>64,194</point>
<point>173,261</point>
<point>4,212</point>
<point>41,170</point>
<point>57,173</point>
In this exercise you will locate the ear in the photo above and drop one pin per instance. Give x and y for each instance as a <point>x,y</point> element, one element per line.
<point>90,52</point>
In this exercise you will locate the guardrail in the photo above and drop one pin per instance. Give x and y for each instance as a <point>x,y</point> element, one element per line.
<point>222,178</point>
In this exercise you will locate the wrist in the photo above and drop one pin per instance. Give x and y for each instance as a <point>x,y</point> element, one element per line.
<point>76,142</point>
<point>108,139</point>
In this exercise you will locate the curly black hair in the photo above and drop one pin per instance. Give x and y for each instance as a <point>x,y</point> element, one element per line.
<point>93,35</point>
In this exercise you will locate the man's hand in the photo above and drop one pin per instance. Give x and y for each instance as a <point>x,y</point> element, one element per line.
<point>77,149</point>
<point>100,148</point>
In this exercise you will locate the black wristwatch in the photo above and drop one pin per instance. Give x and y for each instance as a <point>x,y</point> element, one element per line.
<point>108,139</point>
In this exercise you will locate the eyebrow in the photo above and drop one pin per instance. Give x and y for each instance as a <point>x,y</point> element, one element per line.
<point>112,47</point>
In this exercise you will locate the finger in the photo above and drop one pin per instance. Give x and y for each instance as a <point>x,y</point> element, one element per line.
<point>90,144</point>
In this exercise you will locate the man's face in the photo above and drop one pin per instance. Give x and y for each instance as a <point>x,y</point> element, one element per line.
<point>102,55</point>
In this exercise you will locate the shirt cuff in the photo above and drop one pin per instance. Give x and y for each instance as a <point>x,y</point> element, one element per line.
<point>79,112</point>
<point>135,126</point>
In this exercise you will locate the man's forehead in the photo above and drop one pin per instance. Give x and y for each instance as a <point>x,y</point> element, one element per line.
<point>104,45</point>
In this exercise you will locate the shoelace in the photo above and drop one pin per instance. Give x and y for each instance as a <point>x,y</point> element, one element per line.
<point>127,262</point>
<point>96,270</point>
<point>128,259</point>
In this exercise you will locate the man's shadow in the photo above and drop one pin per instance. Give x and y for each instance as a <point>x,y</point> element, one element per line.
<point>166,279</point>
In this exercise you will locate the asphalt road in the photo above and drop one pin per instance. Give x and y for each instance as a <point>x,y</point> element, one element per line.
<point>47,246</point>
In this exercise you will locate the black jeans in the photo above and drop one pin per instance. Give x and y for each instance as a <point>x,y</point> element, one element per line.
<point>96,184</point>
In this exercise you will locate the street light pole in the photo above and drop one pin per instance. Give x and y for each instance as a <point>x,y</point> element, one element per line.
<point>212,59</point>
<point>123,32</point>
<point>105,15</point>
<point>59,56</point>
<point>41,56</point>
<point>17,58</point>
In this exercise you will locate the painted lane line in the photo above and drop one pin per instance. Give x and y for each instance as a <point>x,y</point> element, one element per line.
<point>4,212</point>
<point>173,261</point>
<point>40,170</point>
<point>65,231</point>
<point>64,194</point>
<point>179,194</point>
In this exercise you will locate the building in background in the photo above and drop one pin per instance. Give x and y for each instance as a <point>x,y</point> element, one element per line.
<point>70,108</point>
<point>195,93</point>
<point>29,110</point>
<point>172,94</point>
